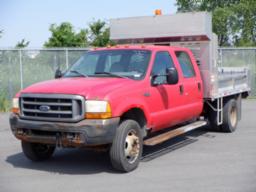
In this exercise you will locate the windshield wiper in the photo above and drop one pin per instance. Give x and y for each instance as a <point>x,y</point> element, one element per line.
<point>78,72</point>
<point>110,74</point>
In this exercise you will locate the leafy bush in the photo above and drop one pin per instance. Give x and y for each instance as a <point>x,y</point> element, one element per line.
<point>4,103</point>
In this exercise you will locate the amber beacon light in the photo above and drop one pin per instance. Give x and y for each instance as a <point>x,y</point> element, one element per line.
<point>158,12</point>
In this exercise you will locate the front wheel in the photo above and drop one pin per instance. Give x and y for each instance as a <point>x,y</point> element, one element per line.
<point>126,149</point>
<point>37,151</point>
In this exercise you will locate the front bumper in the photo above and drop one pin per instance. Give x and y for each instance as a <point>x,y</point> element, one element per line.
<point>84,133</point>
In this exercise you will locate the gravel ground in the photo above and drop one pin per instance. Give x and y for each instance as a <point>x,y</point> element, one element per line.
<point>200,161</point>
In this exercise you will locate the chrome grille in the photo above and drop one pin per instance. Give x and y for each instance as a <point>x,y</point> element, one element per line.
<point>53,107</point>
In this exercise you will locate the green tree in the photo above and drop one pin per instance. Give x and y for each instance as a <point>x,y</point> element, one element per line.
<point>64,35</point>
<point>234,21</point>
<point>99,34</point>
<point>22,44</point>
<point>246,21</point>
<point>223,25</point>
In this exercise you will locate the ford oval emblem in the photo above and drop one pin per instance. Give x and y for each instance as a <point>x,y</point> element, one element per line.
<point>44,108</point>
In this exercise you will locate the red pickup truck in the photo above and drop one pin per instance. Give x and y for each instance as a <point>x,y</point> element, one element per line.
<point>116,97</point>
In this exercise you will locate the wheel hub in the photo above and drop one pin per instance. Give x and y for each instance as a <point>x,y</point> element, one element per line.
<point>132,147</point>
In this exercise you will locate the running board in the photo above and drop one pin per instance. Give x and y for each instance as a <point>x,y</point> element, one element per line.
<point>173,133</point>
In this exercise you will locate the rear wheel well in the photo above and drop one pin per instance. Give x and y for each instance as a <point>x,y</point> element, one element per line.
<point>228,98</point>
<point>208,109</point>
<point>137,115</point>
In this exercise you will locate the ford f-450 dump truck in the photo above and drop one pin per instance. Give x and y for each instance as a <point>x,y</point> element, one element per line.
<point>118,96</point>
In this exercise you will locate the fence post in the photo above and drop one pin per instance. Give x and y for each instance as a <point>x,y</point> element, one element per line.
<point>221,57</point>
<point>67,63</point>
<point>21,70</point>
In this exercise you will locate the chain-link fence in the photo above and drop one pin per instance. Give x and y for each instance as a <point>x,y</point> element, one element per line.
<point>20,68</point>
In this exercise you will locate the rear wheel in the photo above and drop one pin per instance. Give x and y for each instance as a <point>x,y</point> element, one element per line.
<point>230,116</point>
<point>37,151</point>
<point>126,149</point>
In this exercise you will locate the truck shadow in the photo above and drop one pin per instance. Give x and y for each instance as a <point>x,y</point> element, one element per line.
<point>81,161</point>
<point>67,161</point>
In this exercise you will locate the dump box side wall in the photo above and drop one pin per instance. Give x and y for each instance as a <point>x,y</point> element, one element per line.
<point>177,25</point>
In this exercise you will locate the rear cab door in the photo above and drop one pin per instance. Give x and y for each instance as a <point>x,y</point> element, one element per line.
<point>191,89</point>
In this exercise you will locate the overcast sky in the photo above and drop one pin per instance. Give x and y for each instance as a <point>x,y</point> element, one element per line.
<point>30,19</point>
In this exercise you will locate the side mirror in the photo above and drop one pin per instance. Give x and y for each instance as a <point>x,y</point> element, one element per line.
<point>172,76</point>
<point>58,74</point>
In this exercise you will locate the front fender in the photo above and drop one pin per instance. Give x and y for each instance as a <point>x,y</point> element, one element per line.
<point>126,104</point>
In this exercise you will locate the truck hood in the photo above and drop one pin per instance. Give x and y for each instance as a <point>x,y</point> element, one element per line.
<point>87,87</point>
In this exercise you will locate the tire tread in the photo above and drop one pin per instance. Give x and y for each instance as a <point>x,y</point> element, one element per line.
<point>116,158</point>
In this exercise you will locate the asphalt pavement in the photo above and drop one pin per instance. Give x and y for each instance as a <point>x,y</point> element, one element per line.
<point>199,161</point>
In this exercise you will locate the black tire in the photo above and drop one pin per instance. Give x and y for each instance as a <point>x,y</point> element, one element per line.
<point>37,151</point>
<point>212,117</point>
<point>128,135</point>
<point>230,116</point>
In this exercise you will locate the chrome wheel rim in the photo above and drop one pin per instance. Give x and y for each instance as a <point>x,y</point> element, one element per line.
<point>132,147</point>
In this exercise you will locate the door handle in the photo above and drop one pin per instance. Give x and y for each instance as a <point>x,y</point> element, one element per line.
<point>181,89</point>
<point>199,86</point>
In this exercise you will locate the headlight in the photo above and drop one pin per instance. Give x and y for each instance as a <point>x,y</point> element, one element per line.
<point>15,105</point>
<point>97,110</point>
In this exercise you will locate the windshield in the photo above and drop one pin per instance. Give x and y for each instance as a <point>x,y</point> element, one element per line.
<point>111,63</point>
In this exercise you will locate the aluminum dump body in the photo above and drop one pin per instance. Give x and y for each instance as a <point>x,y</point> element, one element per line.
<point>191,30</point>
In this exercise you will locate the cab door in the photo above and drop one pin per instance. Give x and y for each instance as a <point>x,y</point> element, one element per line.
<point>165,100</point>
<point>190,85</point>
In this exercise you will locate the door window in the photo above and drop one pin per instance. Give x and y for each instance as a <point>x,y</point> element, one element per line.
<point>162,61</point>
<point>185,64</point>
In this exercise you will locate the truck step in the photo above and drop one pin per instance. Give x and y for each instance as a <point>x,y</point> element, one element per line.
<point>173,133</point>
